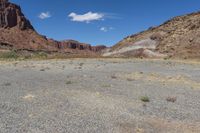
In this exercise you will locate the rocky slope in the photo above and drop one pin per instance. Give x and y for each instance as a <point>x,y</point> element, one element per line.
<point>16,32</point>
<point>176,38</point>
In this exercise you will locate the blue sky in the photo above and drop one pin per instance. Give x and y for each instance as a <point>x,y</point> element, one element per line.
<point>100,21</point>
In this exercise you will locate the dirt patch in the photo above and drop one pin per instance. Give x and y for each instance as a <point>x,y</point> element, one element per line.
<point>156,77</point>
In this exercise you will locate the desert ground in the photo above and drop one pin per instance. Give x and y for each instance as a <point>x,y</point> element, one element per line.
<point>99,96</point>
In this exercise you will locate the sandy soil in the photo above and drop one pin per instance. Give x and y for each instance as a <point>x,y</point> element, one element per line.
<point>99,96</point>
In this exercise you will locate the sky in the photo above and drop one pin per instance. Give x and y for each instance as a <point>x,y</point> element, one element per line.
<point>100,22</point>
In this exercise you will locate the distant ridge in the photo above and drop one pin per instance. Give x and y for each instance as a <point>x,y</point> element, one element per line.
<point>176,38</point>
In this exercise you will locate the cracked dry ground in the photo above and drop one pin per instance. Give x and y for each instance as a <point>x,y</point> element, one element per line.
<point>99,96</point>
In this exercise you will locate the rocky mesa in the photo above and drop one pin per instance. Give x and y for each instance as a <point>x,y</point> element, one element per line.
<point>16,32</point>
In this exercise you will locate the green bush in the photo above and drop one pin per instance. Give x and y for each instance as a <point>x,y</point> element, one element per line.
<point>145,99</point>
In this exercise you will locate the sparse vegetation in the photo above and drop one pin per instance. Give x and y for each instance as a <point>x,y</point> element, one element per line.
<point>40,55</point>
<point>42,69</point>
<point>7,84</point>
<point>9,55</point>
<point>106,86</point>
<point>145,99</point>
<point>167,58</point>
<point>114,77</point>
<point>22,55</point>
<point>130,79</point>
<point>69,82</point>
<point>81,64</point>
<point>63,67</point>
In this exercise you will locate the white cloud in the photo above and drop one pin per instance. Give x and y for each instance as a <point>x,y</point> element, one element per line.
<point>106,29</point>
<point>87,17</point>
<point>44,15</point>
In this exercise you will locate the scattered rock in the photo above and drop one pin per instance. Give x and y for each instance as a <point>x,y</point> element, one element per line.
<point>171,99</point>
<point>29,97</point>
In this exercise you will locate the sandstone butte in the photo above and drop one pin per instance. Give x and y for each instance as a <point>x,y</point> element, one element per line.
<point>17,32</point>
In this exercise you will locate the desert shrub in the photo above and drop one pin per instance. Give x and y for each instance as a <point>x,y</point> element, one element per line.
<point>114,77</point>
<point>106,86</point>
<point>42,69</point>
<point>7,84</point>
<point>9,55</point>
<point>145,99</point>
<point>69,82</point>
<point>40,55</point>
<point>81,64</point>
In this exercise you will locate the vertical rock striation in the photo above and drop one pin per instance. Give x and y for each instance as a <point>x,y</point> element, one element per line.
<point>11,16</point>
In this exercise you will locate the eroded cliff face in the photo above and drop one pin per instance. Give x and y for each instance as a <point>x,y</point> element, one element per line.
<point>72,44</point>
<point>16,32</point>
<point>11,16</point>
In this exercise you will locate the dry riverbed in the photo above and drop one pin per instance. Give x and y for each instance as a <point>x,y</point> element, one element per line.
<point>99,96</point>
